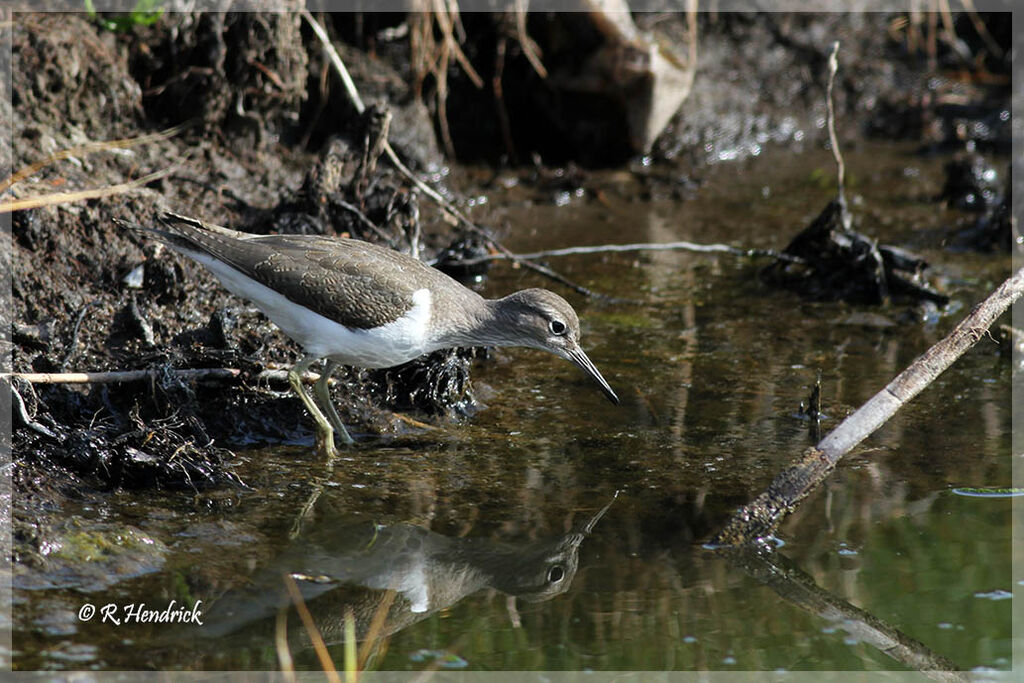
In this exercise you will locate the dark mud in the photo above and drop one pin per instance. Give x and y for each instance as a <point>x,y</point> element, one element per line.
<point>271,143</point>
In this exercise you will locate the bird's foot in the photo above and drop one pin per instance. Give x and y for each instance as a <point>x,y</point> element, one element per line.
<point>325,444</point>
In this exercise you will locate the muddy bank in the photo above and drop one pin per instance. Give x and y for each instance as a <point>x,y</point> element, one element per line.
<point>271,143</point>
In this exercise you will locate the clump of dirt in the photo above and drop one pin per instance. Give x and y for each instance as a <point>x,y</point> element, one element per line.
<point>231,71</point>
<point>70,81</point>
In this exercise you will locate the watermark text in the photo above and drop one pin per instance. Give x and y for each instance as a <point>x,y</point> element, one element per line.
<point>141,613</point>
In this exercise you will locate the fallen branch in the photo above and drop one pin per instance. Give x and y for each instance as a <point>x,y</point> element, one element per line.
<point>761,517</point>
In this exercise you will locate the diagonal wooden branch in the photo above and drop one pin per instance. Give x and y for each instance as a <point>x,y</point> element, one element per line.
<point>798,588</point>
<point>761,517</point>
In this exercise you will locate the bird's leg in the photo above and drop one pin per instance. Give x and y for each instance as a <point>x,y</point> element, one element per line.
<point>324,433</point>
<point>323,395</point>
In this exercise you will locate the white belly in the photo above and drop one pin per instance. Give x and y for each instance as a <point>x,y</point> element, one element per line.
<point>382,347</point>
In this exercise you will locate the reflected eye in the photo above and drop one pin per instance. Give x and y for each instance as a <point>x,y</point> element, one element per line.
<point>555,574</point>
<point>557,327</point>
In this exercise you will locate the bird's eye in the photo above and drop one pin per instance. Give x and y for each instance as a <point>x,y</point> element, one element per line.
<point>555,574</point>
<point>557,327</point>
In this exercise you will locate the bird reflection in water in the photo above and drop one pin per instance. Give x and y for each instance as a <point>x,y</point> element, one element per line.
<point>395,574</point>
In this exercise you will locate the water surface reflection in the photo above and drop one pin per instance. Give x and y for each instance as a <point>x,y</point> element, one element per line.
<point>386,577</point>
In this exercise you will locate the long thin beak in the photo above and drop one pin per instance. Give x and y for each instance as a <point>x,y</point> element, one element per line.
<point>578,357</point>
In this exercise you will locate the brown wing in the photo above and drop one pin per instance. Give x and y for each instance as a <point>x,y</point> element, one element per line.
<point>355,283</point>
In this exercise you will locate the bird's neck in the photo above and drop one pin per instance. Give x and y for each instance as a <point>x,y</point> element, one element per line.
<point>479,322</point>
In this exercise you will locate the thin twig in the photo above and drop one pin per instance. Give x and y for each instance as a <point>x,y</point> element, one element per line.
<point>982,31</point>
<point>447,13</point>
<point>946,14</point>
<point>547,272</point>
<point>615,248</point>
<point>22,412</point>
<point>497,89</point>
<point>530,49</point>
<point>335,58</point>
<point>73,343</point>
<point>117,376</point>
<point>833,66</point>
<point>354,210</point>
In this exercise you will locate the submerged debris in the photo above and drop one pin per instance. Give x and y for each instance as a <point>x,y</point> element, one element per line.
<point>839,264</point>
<point>811,409</point>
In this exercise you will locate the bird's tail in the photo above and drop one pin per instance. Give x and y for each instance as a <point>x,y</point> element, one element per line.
<point>183,233</point>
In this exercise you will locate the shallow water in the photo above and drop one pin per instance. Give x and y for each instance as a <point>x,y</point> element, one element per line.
<point>711,366</point>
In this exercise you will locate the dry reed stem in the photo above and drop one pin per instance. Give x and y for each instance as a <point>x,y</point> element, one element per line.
<point>376,624</point>
<point>284,654</point>
<point>314,633</point>
<point>88,148</point>
<point>97,193</point>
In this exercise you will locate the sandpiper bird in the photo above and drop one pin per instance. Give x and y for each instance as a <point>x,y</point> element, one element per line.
<point>355,303</point>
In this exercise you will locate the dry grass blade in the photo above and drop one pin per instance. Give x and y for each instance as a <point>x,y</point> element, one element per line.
<point>88,148</point>
<point>351,662</point>
<point>314,633</point>
<point>284,654</point>
<point>373,633</point>
<point>81,195</point>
